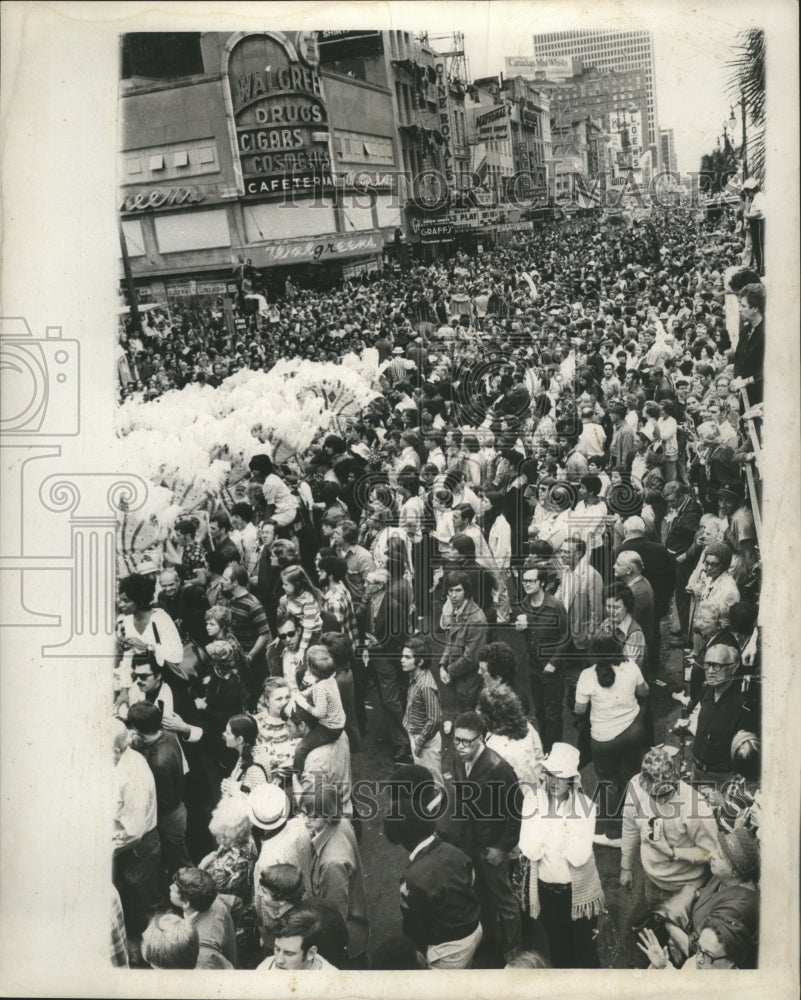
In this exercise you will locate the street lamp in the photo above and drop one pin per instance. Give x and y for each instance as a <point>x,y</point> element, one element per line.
<point>733,127</point>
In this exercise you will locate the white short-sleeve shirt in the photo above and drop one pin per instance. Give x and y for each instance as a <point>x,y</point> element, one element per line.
<point>612,709</point>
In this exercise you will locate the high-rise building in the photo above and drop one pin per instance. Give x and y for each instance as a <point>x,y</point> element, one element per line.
<point>667,151</point>
<point>608,48</point>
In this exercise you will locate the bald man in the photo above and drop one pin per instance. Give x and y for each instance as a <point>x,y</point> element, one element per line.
<point>629,570</point>
<point>658,565</point>
<point>186,605</point>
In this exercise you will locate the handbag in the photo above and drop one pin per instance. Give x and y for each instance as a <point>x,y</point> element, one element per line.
<point>195,662</point>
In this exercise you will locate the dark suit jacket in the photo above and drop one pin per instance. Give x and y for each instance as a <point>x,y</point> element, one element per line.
<point>684,528</point>
<point>644,607</point>
<point>659,569</point>
<point>489,801</point>
<point>389,626</point>
<point>188,610</point>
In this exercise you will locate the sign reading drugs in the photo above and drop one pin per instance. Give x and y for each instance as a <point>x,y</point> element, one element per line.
<point>493,125</point>
<point>280,122</point>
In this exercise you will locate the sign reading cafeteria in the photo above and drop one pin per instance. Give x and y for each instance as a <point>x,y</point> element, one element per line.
<point>279,118</point>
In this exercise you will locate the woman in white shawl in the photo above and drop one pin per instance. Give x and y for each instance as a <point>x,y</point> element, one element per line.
<point>562,887</point>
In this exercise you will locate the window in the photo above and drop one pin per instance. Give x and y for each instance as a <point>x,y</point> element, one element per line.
<point>157,162</point>
<point>180,158</point>
<point>192,231</point>
<point>161,54</point>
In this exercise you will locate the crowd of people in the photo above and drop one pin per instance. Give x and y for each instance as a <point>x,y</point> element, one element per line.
<point>557,484</point>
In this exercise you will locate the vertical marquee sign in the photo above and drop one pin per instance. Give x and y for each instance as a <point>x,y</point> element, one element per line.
<point>445,124</point>
<point>277,116</point>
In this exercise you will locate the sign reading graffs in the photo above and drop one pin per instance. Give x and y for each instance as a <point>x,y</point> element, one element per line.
<point>280,118</point>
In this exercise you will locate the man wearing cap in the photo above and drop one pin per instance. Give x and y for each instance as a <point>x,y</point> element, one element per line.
<point>672,825</point>
<point>728,704</point>
<point>282,841</point>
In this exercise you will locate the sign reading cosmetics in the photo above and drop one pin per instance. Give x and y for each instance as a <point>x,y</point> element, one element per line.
<point>280,122</point>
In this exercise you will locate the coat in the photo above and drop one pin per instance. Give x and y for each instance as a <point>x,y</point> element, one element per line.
<point>659,569</point>
<point>466,634</point>
<point>493,819</point>
<point>336,876</point>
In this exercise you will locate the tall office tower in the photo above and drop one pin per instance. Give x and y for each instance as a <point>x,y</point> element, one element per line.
<point>667,152</point>
<point>608,48</point>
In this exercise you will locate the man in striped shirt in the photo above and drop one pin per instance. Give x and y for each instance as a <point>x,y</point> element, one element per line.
<point>422,718</point>
<point>249,626</point>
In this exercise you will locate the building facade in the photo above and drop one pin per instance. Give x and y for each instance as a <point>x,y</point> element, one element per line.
<point>280,149</point>
<point>667,150</point>
<point>619,50</point>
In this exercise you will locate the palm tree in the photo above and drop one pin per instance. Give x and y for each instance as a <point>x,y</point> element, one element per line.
<point>747,87</point>
<point>716,171</point>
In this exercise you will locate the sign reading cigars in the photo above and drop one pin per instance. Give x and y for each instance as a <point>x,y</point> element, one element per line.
<point>280,118</point>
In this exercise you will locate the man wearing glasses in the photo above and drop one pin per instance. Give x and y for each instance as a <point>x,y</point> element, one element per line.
<point>283,654</point>
<point>725,709</point>
<point>488,799</point>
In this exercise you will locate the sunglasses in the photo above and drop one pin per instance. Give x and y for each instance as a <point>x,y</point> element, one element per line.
<point>460,741</point>
<point>140,677</point>
<point>287,635</point>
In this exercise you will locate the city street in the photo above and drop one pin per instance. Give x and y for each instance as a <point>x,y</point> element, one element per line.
<point>384,863</point>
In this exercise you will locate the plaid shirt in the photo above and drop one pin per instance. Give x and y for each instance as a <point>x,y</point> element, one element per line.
<point>338,602</point>
<point>193,558</point>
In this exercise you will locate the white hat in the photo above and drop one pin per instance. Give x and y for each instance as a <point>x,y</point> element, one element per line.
<point>562,761</point>
<point>361,449</point>
<point>750,183</point>
<point>398,350</point>
<point>268,807</point>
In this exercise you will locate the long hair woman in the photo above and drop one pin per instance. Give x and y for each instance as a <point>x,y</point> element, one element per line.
<point>303,600</point>
<point>616,692</point>
<point>509,732</point>
<point>241,734</point>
